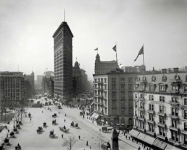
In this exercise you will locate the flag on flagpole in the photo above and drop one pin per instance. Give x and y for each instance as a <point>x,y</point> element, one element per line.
<point>140,52</point>
<point>114,48</point>
<point>96,49</point>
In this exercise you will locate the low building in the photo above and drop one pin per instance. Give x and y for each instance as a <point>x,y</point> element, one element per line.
<point>12,89</point>
<point>160,108</point>
<point>113,97</point>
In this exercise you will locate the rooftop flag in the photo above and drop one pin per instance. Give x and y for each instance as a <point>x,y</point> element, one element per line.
<point>114,48</point>
<point>140,52</point>
<point>96,49</point>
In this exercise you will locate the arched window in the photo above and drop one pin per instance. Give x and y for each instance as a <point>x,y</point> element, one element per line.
<point>153,78</point>
<point>177,77</point>
<point>164,78</point>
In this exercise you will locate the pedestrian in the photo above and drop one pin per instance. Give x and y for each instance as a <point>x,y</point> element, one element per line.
<point>65,115</point>
<point>87,143</point>
<point>90,147</point>
<point>62,135</point>
<point>42,111</point>
<point>64,120</point>
<point>79,137</point>
<point>129,137</point>
<point>30,118</point>
<point>126,136</point>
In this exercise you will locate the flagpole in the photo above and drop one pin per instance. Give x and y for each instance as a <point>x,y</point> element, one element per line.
<point>143,56</point>
<point>116,53</point>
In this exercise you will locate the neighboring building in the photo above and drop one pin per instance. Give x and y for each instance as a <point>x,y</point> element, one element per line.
<point>63,85</point>
<point>103,67</point>
<point>31,80</point>
<point>12,89</point>
<point>134,69</point>
<point>84,81</point>
<point>46,82</point>
<point>113,97</point>
<point>80,80</point>
<point>160,114</point>
<point>39,81</point>
<point>51,86</point>
<point>76,79</point>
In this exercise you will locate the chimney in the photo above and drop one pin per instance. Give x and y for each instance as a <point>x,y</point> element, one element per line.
<point>176,70</point>
<point>164,70</point>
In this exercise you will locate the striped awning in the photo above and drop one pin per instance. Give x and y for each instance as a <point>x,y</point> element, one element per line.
<point>160,144</point>
<point>169,147</point>
<point>141,136</point>
<point>134,133</point>
<point>148,139</point>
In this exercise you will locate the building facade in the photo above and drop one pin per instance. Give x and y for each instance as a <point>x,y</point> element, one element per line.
<point>30,78</point>
<point>63,85</point>
<point>12,89</point>
<point>160,114</point>
<point>113,97</point>
<point>102,67</point>
<point>39,81</point>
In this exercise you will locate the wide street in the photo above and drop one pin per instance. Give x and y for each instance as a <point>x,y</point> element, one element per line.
<point>30,140</point>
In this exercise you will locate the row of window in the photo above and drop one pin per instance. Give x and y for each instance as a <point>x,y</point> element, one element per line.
<point>164,78</point>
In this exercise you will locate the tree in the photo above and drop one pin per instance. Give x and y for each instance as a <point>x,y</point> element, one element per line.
<point>69,142</point>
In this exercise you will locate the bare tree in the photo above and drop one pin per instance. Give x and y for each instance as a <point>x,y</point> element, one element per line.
<point>69,142</point>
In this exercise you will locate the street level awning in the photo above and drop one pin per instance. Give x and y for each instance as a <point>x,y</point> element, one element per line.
<point>141,136</point>
<point>93,115</point>
<point>169,147</point>
<point>96,116</point>
<point>148,139</point>
<point>134,133</point>
<point>160,144</point>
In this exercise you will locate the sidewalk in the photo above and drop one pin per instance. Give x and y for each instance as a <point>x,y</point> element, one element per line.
<point>121,136</point>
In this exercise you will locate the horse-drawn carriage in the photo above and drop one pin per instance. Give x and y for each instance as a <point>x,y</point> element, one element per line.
<point>44,124</point>
<point>51,134</point>
<point>74,125</point>
<point>54,122</point>
<point>12,135</point>
<point>105,146</point>
<point>63,129</point>
<point>54,115</point>
<point>39,130</point>
<point>18,147</point>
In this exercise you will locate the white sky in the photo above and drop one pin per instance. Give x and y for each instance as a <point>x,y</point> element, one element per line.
<point>27,26</point>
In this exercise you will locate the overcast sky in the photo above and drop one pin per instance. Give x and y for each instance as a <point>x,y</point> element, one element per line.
<point>27,26</point>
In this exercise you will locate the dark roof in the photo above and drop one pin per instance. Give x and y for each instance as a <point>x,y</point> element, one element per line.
<point>61,25</point>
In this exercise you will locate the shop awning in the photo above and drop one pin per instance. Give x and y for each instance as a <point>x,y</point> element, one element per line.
<point>160,144</point>
<point>93,115</point>
<point>148,139</point>
<point>141,136</point>
<point>96,116</point>
<point>134,133</point>
<point>170,147</point>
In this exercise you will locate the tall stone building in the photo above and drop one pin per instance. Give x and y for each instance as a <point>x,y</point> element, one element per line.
<point>113,98</point>
<point>30,78</point>
<point>160,109</point>
<point>63,85</point>
<point>102,67</point>
<point>12,89</point>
